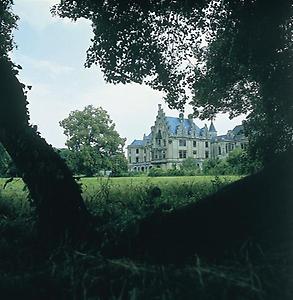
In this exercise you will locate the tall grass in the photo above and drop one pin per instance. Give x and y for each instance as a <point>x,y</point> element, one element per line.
<point>84,273</point>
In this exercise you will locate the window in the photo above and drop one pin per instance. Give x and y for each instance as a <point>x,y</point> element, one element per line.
<point>137,151</point>
<point>164,143</point>
<point>129,160</point>
<point>136,159</point>
<point>207,154</point>
<point>194,144</point>
<point>207,144</point>
<point>144,150</point>
<point>164,155</point>
<point>182,153</point>
<point>194,152</point>
<point>182,143</point>
<point>144,158</point>
<point>159,142</point>
<point>220,151</point>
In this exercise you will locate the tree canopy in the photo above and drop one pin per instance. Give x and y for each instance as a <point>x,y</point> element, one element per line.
<point>221,56</point>
<point>93,140</point>
<point>7,24</point>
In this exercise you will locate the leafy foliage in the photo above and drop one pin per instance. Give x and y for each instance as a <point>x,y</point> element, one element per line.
<point>93,141</point>
<point>7,167</point>
<point>233,56</point>
<point>238,162</point>
<point>7,24</point>
<point>190,165</point>
<point>4,161</point>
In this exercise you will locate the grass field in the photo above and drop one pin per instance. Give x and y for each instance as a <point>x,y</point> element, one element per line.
<point>174,190</point>
<point>84,273</point>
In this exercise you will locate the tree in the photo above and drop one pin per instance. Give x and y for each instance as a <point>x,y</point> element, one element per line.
<point>119,164</point>
<point>7,166</point>
<point>216,167</point>
<point>4,162</point>
<point>190,166</point>
<point>233,56</point>
<point>54,192</point>
<point>7,24</point>
<point>246,66</point>
<point>238,162</point>
<point>92,138</point>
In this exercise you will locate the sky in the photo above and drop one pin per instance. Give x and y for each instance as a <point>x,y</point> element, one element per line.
<point>52,53</point>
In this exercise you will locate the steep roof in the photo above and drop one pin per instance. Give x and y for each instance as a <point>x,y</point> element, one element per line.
<point>237,134</point>
<point>223,137</point>
<point>173,124</point>
<point>137,143</point>
<point>148,137</point>
<point>140,143</point>
<point>239,129</point>
<point>212,127</point>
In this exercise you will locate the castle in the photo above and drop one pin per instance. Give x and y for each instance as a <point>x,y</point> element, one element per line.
<point>172,140</point>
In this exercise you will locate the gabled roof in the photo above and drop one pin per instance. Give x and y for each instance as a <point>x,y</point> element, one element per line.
<point>173,124</point>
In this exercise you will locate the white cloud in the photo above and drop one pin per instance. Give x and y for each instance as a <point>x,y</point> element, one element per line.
<point>37,14</point>
<point>49,67</point>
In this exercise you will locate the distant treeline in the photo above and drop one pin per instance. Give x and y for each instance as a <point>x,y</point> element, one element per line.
<point>237,163</point>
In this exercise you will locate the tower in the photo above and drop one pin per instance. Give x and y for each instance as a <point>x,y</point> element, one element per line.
<point>212,130</point>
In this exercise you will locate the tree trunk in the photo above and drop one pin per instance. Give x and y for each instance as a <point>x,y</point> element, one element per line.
<point>57,197</point>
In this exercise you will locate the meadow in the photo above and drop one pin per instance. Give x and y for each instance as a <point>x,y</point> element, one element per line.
<point>84,272</point>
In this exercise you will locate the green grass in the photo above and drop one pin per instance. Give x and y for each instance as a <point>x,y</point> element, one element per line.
<point>83,273</point>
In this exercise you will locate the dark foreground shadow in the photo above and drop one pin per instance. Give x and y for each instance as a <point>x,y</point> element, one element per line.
<point>256,210</point>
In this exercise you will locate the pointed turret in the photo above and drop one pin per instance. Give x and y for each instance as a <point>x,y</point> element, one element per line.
<point>212,127</point>
<point>212,130</point>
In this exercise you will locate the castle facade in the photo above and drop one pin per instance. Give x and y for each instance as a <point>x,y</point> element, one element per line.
<point>172,140</point>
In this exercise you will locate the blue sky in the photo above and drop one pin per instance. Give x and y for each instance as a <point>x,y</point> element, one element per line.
<point>52,53</point>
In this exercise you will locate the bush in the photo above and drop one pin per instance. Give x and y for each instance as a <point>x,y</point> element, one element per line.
<point>237,163</point>
<point>154,172</point>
